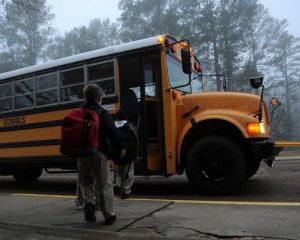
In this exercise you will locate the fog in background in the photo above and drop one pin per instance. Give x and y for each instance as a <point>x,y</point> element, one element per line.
<point>74,13</point>
<point>239,39</point>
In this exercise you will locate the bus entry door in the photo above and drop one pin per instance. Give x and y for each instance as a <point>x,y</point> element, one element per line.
<point>152,114</point>
<point>139,79</point>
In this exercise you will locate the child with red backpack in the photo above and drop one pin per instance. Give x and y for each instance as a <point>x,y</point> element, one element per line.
<point>93,165</point>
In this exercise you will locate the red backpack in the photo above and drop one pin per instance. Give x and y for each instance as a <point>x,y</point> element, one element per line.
<point>79,133</point>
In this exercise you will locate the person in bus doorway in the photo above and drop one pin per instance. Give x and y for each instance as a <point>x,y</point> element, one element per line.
<point>95,171</point>
<point>124,170</point>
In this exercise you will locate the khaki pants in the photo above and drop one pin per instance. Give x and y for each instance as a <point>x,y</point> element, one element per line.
<point>95,172</point>
<point>124,177</point>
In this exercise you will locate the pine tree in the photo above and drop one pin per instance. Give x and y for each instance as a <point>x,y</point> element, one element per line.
<point>98,34</point>
<point>146,18</point>
<point>25,33</point>
<point>285,59</point>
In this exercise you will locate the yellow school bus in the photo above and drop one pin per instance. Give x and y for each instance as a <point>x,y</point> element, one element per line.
<point>217,139</point>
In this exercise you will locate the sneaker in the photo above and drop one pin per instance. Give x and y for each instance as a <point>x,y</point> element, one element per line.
<point>89,213</point>
<point>111,220</point>
<point>79,205</point>
<point>124,195</point>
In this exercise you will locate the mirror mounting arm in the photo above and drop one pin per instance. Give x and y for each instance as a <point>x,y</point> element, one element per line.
<point>257,82</point>
<point>260,103</point>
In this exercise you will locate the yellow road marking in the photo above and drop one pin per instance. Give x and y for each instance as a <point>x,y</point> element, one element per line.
<point>220,202</point>
<point>175,200</point>
<point>43,195</point>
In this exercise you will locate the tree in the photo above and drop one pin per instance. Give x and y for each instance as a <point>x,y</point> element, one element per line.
<point>220,36</point>
<point>146,18</point>
<point>99,34</point>
<point>256,24</point>
<point>26,33</point>
<point>231,16</point>
<point>285,58</point>
<point>207,31</point>
<point>23,5</point>
<point>280,130</point>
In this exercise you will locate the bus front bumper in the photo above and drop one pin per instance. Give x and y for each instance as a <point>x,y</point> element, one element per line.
<point>266,151</point>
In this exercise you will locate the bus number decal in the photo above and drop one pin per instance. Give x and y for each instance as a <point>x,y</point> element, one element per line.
<point>13,121</point>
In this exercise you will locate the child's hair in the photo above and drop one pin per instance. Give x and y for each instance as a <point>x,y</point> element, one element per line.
<point>93,93</point>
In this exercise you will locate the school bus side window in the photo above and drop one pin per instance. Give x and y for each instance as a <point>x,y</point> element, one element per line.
<point>72,84</point>
<point>46,89</point>
<point>5,97</point>
<point>24,94</point>
<point>103,75</point>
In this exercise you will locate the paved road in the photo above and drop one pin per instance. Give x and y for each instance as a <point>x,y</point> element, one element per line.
<point>278,184</point>
<point>267,207</point>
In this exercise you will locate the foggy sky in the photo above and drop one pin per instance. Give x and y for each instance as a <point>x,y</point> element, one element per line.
<point>75,13</point>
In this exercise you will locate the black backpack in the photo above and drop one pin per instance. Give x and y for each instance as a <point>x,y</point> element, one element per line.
<point>129,133</point>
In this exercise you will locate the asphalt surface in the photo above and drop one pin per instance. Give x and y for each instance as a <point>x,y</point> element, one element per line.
<point>53,216</point>
<point>139,219</point>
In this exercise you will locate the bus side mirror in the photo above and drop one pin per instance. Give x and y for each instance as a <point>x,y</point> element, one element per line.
<point>186,61</point>
<point>256,82</point>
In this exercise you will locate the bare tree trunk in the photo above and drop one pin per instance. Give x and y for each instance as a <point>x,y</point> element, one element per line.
<point>287,92</point>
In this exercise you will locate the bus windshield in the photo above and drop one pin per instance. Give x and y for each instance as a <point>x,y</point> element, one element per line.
<point>176,76</point>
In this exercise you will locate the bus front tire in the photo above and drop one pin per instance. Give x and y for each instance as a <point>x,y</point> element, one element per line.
<point>27,174</point>
<point>252,168</point>
<point>216,165</point>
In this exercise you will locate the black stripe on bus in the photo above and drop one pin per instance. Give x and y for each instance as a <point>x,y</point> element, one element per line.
<point>37,143</point>
<point>32,126</point>
<point>63,106</point>
<point>51,160</point>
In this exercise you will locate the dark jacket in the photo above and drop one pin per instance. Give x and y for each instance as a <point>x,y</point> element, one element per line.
<point>129,133</point>
<point>107,130</point>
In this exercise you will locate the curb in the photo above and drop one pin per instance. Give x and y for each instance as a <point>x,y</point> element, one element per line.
<point>59,231</point>
<point>78,233</point>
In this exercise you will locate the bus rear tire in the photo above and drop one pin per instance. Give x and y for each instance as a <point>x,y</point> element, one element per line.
<point>216,165</point>
<point>27,174</point>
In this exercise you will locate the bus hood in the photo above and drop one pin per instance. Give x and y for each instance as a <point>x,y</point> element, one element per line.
<point>242,102</point>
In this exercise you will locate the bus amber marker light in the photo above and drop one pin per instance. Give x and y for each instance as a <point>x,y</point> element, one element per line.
<point>160,39</point>
<point>184,44</point>
<point>253,128</point>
